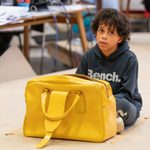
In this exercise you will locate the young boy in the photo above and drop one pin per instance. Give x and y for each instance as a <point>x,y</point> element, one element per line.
<point>111,60</point>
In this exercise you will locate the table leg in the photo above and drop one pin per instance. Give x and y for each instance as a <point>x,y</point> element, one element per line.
<point>98,5</point>
<point>26,42</point>
<point>82,31</point>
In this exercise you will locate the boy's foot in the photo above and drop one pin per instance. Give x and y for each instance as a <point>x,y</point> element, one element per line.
<point>120,125</point>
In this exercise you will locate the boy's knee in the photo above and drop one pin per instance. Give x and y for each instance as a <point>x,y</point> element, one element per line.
<point>129,111</point>
<point>130,119</point>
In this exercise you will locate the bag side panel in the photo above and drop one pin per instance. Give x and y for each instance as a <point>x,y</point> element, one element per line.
<point>34,118</point>
<point>110,120</point>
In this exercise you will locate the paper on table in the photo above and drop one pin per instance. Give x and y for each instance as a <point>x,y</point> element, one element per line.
<point>11,13</point>
<point>69,8</point>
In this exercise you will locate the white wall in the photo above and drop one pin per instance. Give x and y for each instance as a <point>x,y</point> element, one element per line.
<point>135,4</point>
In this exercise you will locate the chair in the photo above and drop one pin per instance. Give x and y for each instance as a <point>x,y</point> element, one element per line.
<point>13,65</point>
<point>147,16</point>
<point>57,36</point>
<point>135,15</point>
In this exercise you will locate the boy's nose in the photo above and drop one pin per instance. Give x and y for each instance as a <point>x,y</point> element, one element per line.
<point>104,35</point>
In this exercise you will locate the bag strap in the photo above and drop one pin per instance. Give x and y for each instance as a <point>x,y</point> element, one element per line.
<point>55,112</point>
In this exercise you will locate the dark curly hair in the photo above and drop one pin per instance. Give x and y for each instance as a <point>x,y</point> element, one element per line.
<point>112,18</point>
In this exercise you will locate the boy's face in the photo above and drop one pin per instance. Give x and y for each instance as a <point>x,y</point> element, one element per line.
<point>107,39</point>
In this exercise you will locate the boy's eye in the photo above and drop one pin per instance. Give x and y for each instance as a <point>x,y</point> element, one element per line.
<point>100,30</point>
<point>111,32</point>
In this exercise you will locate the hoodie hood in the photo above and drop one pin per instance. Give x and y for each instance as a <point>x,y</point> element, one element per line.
<point>121,49</point>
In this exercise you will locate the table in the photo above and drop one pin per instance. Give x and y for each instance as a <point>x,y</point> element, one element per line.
<point>75,12</point>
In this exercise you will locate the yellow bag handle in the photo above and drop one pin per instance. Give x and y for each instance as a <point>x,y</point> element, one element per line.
<point>55,112</point>
<point>61,116</point>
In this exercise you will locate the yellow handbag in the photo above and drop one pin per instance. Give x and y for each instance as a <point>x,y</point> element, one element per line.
<point>73,107</point>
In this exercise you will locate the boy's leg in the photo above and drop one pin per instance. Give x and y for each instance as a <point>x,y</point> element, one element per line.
<point>127,111</point>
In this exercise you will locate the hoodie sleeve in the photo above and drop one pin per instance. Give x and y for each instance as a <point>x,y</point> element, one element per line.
<point>129,84</point>
<point>83,67</point>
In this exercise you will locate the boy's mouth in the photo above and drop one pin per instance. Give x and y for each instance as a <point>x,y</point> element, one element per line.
<point>103,43</point>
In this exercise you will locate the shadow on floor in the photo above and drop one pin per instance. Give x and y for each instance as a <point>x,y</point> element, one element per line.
<point>57,59</point>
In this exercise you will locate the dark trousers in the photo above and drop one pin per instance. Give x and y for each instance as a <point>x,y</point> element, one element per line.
<point>131,111</point>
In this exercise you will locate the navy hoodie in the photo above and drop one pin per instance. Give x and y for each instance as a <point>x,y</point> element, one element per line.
<point>120,69</point>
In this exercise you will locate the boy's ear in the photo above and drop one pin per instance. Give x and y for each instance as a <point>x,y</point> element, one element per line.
<point>120,40</point>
